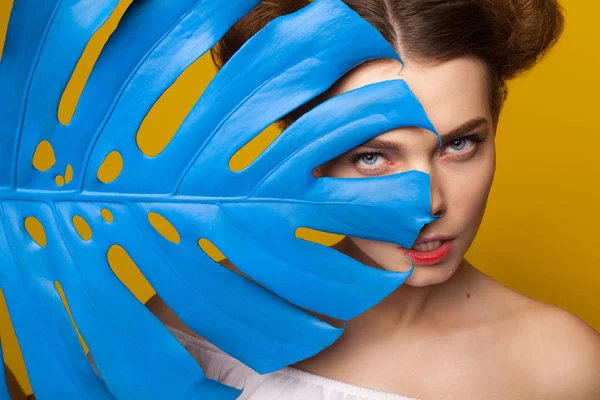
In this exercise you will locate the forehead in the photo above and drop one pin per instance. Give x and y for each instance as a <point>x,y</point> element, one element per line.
<point>451,92</point>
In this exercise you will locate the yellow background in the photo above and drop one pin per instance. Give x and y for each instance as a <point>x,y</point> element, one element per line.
<point>541,225</point>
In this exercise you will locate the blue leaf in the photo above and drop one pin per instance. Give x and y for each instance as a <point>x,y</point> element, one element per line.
<point>251,215</point>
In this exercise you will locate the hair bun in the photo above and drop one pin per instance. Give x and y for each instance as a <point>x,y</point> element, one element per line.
<point>526,30</point>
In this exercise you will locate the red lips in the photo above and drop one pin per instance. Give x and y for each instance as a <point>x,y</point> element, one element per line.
<point>429,257</point>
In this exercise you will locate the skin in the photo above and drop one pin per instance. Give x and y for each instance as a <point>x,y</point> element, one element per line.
<point>450,331</point>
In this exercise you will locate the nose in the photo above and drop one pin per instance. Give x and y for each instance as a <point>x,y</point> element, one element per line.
<point>430,166</point>
<point>438,201</point>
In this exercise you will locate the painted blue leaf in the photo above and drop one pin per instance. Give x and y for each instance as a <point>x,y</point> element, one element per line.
<point>250,215</point>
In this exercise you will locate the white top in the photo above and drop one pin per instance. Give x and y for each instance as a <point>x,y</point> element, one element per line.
<point>288,383</point>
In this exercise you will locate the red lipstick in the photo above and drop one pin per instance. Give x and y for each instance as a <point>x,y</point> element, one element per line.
<point>429,257</point>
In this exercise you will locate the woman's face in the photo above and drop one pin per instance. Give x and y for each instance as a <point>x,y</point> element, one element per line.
<point>455,95</point>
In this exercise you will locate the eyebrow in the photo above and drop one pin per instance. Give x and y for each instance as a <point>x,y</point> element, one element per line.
<point>463,129</point>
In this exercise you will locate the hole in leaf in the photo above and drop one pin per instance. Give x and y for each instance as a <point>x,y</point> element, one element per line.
<point>254,148</point>
<point>59,180</point>
<point>216,255</point>
<point>81,73</point>
<point>43,157</point>
<point>164,227</point>
<point>68,173</point>
<point>128,272</point>
<point>36,230</point>
<point>5,10</point>
<point>110,168</point>
<point>316,236</point>
<point>211,250</point>
<point>166,116</point>
<point>61,293</point>
<point>13,357</point>
<point>107,215</point>
<point>82,227</point>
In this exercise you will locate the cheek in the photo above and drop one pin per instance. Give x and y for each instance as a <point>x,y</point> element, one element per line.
<point>468,185</point>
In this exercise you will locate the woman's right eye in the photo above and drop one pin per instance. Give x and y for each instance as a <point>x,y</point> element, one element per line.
<point>367,162</point>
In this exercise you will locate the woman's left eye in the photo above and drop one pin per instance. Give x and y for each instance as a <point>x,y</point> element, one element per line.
<point>461,145</point>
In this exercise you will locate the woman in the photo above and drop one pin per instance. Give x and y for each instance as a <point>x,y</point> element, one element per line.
<point>450,331</point>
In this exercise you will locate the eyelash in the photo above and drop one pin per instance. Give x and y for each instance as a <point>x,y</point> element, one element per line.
<point>358,154</point>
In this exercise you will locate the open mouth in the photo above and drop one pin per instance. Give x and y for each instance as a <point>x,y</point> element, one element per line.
<point>429,246</point>
<point>429,253</point>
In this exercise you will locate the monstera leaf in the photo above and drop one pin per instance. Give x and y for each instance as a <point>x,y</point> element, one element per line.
<point>250,215</point>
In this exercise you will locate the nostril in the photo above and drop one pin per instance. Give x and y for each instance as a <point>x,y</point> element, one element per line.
<point>439,211</point>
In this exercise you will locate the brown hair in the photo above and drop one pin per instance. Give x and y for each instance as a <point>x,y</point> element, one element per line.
<point>508,36</point>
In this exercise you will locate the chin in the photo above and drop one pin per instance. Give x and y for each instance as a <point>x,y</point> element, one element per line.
<point>426,275</point>
<point>385,256</point>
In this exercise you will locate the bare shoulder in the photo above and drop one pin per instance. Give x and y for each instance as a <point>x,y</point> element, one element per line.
<point>558,353</point>
<point>555,354</point>
<point>561,353</point>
